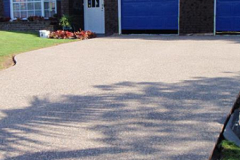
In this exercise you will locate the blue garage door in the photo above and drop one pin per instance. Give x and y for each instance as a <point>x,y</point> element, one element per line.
<point>150,14</point>
<point>228,15</point>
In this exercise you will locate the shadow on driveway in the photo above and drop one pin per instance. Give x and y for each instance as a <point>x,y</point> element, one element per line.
<point>176,121</point>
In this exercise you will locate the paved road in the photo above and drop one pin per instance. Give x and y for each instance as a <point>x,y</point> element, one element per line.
<point>127,97</point>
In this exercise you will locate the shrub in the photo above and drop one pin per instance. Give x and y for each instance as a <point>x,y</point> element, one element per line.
<point>60,34</point>
<point>35,18</point>
<point>5,19</point>
<point>65,21</point>
<point>18,19</point>
<point>229,151</point>
<point>53,20</point>
<point>85,35</point>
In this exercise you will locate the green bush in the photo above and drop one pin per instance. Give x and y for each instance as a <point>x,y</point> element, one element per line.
<point>65,21</point>
<point>229,151</point>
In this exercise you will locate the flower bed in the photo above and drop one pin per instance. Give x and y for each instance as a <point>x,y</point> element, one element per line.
<point>60,34</point>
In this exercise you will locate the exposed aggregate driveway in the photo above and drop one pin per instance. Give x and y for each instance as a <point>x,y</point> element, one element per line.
<point>119,98</point>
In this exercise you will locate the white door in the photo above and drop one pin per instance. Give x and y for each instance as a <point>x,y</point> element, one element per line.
<point>94,19</point>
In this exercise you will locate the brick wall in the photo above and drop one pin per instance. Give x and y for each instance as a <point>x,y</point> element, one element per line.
<point>77,14</point>
<point>1,8</point>
<point>196,16</point>
<point>26,26</point>
<point>65,9</point>
<point>111,16</point>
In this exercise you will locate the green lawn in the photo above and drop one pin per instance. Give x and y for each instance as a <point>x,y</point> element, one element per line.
<point>12,43</point>
<point>230,151</point>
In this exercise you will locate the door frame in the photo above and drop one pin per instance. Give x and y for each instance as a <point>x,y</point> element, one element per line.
<point>85,16</point>
<point>120,17</point>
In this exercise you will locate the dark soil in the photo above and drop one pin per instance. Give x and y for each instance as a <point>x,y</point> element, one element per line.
<point>8,62</point>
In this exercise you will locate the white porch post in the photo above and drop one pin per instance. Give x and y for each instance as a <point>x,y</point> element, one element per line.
<point>11,10</point>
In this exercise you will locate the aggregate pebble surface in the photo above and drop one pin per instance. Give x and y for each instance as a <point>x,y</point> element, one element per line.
<point>132,97</point>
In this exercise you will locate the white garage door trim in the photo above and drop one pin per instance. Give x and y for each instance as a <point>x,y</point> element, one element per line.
<point>215,17</point>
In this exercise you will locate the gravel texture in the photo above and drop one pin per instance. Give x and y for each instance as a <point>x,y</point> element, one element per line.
<point>124,97</point>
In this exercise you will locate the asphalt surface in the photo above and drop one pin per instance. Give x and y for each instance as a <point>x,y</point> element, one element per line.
<point>127,98</point>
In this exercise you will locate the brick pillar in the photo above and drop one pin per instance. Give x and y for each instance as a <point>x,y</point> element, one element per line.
<point>196,16</point>
<point>65,7</point>
<point>111,16</point>
<point>76,12</point>
<point>1,8</point>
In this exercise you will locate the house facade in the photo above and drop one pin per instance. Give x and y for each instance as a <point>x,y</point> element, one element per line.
<point>136,16</point>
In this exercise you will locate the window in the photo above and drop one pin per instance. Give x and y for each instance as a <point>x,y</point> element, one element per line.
<point>26,8</point>
<point>93,3</point>
<point>49,8</point>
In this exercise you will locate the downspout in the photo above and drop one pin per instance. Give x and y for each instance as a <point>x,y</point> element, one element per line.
<point>179,3</point>
<point>119,17</point>
<point>215,16</point>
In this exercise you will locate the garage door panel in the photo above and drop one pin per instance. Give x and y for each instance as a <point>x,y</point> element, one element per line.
<point>165,9</point>
<point>236,9</point>
<point>132,22</point>
<point>136,9</point>
<point>236,24</point>
<point>224,24</point>
<point>228,15</point>
<point>227,8</point>
<point>224,8</point>
<point>151,23</point>
<point>163,22</point>
<point>150,14</point>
